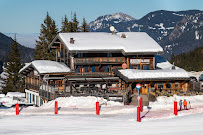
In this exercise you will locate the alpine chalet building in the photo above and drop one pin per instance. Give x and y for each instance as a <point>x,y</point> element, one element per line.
<point>103,64</point>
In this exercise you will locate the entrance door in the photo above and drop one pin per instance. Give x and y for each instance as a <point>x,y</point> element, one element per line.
<point>144,88</point>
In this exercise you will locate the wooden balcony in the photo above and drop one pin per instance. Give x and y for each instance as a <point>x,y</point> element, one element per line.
<point>95,74</point>
<point>101,60</point>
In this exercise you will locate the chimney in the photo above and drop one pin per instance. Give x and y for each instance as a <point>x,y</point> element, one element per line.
<point>71,41</point>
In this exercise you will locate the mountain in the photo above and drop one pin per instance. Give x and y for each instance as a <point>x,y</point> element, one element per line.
<point>186,36</point>
<point>27,40</point>
<point>160,25</point>
<point>5,47</point>
<point>102,23</point>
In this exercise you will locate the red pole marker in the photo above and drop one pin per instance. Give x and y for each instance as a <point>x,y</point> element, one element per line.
<point>138,114</point>
<point>97,108</point>
<point>56,107</point>
<point>175,108</point>
<point>141,109</point>
<point>17,109</point>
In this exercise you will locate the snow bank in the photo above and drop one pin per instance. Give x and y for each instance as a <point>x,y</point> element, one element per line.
<point>8,101</point>
<point>15,94</point>
<point>81,102</point>
<point>164,102</point>
<point>2,95</point>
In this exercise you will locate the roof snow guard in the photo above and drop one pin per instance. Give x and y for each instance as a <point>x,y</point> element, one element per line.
<point>46,66</point>
<point>134,43</point>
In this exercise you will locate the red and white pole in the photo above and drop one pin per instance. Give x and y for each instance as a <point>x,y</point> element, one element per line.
<point>141,108</point>
<point>175,108</point>
<point>56,107</point>
<point>138,114</point>
<point>97,108</point>
<point>17,109</point>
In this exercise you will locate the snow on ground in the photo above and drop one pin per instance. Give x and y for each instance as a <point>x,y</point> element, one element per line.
<point>15,94</point>
<point>114,119</point>
<point>2,95</point>
<point>81,102</point>
<point>100,125</point>
<point>164,102</point>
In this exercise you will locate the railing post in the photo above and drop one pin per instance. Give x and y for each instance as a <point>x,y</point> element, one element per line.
<point>141,109</point>
<point>56,107</point>
<point>175,108</point>
<point>17,109</point>
<point>138,114</point>
<point>97,108</point>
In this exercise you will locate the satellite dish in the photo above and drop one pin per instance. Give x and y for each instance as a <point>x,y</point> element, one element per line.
<point>112,29</point>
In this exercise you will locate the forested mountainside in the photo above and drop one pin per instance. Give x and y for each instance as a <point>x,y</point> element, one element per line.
<point>5,47</point>
<point>192,61</point>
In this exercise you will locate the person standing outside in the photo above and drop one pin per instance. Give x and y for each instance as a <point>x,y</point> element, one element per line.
<point>180,104</point>
<point>185,104</point>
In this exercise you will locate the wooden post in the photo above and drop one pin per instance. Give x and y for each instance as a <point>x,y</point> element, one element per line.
<point>128,63</point>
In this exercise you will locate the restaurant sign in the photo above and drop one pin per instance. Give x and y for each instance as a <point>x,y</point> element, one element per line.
<point>139,61</point>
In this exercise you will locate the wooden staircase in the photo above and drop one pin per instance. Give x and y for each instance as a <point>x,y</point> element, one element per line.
<point>145,100</point>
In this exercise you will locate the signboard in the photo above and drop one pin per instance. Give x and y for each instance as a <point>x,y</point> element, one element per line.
<point>124,66</point>
<point>116,98</point>
<point>139,61</point>
<point>138,86</point>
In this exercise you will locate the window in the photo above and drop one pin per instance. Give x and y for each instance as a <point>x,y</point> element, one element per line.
<point>86,68</point>
<point>33,98</point>
<point>60,84</point>
<point>146,67</point>
<point>138,66</point>
<point>176,85</point>
<point>106,68</point>
<point>130,67</point>
<point>77,69</point>
<point>30,97</point>
<point>160,85</point>
<point>152,85</point>
<point>168,85</point>
<point>93,68</point>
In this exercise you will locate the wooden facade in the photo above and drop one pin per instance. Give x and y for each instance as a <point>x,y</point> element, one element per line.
<point>92,73</point>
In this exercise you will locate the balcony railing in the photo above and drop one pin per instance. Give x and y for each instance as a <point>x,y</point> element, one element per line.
<point>97,74</point>
<point>104,60</point>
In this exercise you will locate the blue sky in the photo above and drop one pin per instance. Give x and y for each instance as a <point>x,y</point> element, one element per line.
<point>26,16</point>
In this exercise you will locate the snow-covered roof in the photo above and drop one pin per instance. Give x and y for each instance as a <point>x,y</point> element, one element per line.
<point>134,74</point>
<point>163,71</point>
<point>135,42</point>
<point>47,66</point>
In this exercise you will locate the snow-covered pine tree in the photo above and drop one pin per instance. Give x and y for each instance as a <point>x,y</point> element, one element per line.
<point>47,34</point>
<point>14,82</point>
<point>65,25</point>
<point>85,27</point>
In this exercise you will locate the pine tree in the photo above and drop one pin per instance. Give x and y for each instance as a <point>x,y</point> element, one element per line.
<point>14,82</point>
<point>85,27</point>
<point>75,23</point>
<point>47,34</point>
<point>65,25</point>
